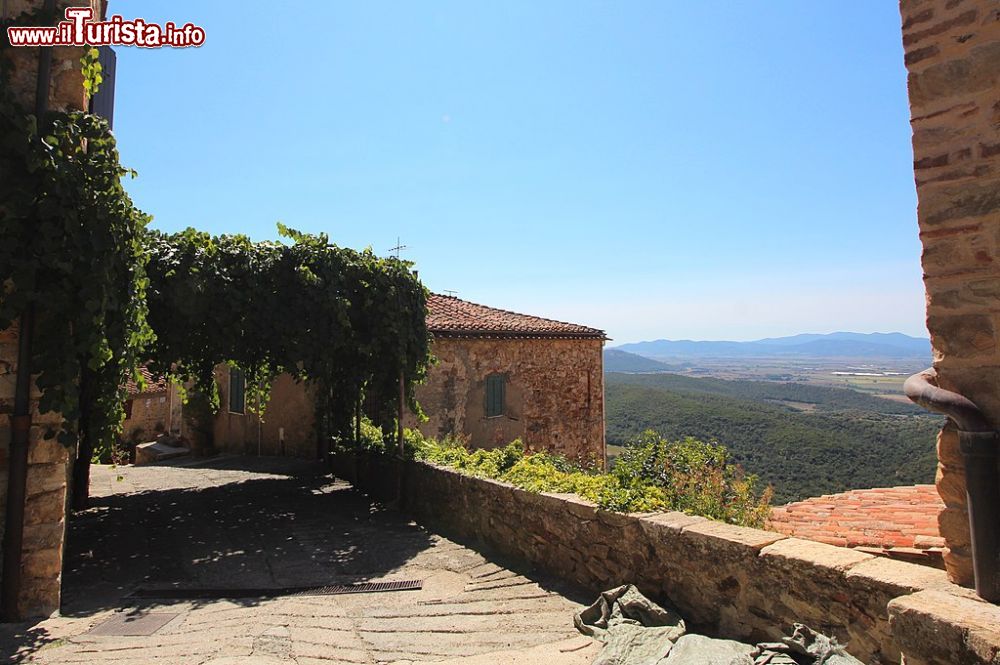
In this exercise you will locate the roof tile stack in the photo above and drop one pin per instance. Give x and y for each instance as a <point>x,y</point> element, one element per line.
<point>899,522</point>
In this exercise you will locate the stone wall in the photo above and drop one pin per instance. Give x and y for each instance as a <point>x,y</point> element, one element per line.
<point>286,429</point>
<point>554,394</point>
<point>46,505</point>
<point>153,413</point>
<point>726,580</point>
<point>49,463</point>
<point>953,57</point>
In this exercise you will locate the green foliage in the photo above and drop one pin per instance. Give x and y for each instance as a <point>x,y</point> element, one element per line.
<point>695,477</point>
<point>71,251</point>
<point>91,69</point>
<point>655,475</point>
<point>801,454</point>
<point>349,322</point>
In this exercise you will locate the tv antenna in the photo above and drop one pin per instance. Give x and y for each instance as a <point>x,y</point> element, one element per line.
<point>399,247</point>
<point>449,292</point>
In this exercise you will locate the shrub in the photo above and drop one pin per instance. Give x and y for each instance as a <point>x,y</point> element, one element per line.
<point>653,474</point>
<point>695,477</point>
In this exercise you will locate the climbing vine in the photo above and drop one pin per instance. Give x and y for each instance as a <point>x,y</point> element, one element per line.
<point>350,323</point>
<point>107,294</point>
<point>71,251</point>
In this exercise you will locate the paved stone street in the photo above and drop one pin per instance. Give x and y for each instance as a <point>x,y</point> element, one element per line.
<point>265,523</point>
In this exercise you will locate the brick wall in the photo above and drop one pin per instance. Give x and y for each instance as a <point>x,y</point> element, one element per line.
<point>554,393</point>
<point>953,57</point>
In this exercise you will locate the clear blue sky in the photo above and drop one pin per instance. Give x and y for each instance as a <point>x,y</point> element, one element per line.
<point>695,169</point>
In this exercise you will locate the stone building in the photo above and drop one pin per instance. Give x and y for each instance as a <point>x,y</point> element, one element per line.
<point>500,376</point>
<point>151,410</point>
<point>953,58</point>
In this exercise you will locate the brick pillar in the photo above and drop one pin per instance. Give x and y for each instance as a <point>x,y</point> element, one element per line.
<point>49,462</point>
<point>953,59</point>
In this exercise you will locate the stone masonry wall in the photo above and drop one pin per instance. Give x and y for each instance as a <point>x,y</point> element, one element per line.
<point>153,413</point>
<point>49,463</point>
<point>554,394</point>
<point>46,503</point>
<point>953,56</point>
<point>726,580</point>
<point>287,427</point>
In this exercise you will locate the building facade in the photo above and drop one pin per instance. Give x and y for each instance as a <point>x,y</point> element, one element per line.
<point>499,376</point>
<point>502,376</point>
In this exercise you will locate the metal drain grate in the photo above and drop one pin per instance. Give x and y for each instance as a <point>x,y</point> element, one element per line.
<point>124,624</point>
<point>332,590</point>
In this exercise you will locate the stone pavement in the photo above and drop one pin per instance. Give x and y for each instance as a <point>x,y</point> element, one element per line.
<point>267,523</point>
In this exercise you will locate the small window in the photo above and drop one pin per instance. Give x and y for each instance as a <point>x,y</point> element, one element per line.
<point>128,409</point>
<point>237,391</point>
<point>495,389</point>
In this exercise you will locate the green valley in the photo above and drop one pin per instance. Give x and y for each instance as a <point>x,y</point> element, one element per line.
<point>804,440</point>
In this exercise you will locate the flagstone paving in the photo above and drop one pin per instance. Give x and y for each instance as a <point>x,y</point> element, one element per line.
<point>266,523</point>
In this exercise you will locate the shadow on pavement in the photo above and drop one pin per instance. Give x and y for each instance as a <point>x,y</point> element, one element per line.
<point>298,529</point>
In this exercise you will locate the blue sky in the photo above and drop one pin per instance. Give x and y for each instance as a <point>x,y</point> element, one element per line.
<point>707,170</point>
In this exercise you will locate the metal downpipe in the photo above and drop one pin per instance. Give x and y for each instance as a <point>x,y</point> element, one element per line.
<point>980,446</point>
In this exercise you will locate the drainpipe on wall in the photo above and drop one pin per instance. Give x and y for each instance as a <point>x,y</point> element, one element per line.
<point>980,445</point>
<point>20,419</point>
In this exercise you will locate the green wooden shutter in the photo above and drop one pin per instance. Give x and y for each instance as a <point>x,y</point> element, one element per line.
<point>495,388</point>
<point>237,391</point>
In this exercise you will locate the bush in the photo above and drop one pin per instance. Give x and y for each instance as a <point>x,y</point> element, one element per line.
<point>653,474</point>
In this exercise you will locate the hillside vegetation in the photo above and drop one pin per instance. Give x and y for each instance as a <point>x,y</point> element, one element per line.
<point>801,395</point>
<point>848,441</point>
<point>652,475</point>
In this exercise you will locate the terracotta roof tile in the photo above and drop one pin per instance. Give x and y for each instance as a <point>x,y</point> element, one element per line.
<point>154,384</point>
<point>448,316</point>
<point>884,519</point>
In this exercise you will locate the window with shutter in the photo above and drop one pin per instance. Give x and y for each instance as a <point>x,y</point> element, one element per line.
<point>103,103</point>
<point>237,391</point>
<point>495,388</point>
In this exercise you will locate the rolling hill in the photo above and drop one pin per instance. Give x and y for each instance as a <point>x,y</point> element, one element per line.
<point>622,361</point>
<point>846,441</point>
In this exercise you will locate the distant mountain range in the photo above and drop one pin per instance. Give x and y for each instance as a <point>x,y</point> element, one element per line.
<point>833,345</point>
<point>623,361</point>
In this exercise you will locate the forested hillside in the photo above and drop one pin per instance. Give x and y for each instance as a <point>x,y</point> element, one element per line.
<point>847,441</point>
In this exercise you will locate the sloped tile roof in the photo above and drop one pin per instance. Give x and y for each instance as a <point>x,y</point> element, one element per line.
<point>448,316</point>
<point>891,521</point>
<point>154,384</point>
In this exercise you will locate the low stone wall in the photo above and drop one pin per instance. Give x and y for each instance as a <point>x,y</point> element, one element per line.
<point>726,580</point>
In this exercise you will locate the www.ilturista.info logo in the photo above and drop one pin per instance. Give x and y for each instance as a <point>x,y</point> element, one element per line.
<point>78,30</point>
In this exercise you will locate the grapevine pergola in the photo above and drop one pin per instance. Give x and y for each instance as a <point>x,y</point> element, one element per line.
<point>106,293</point>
